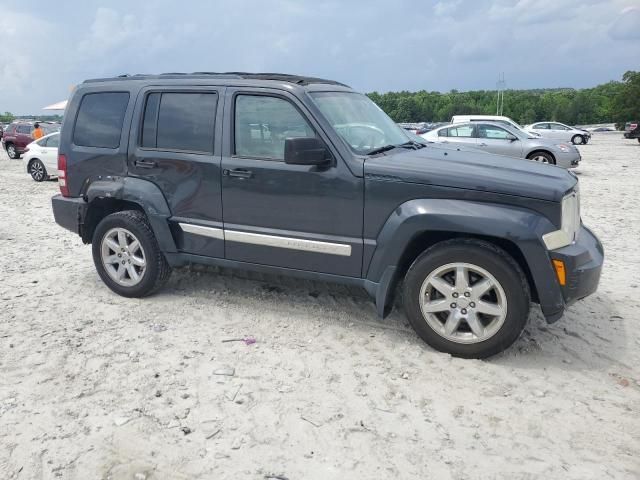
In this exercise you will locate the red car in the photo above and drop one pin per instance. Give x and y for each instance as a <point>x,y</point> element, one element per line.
<point>17,136</point>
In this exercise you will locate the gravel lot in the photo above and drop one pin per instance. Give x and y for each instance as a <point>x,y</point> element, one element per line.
<point>95,386</point>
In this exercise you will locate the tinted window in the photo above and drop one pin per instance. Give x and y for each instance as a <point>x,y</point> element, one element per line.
<point>465,131</point>
<point>489,131</point>
<point>262,124</point>
<point>179,121</point>
<point>23,129</point>
<point>100,118</point>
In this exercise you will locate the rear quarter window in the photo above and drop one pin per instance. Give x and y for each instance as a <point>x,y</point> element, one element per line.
<point>100,118</point>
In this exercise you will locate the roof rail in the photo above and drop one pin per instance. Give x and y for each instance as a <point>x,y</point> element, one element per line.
<point>281,77</point>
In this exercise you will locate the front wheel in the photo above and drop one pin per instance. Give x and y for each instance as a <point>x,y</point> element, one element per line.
<point>37,171</point>
<point>542,157</point>
<point>467,298</point>
<point>127,256</point>
<point>577,140</point>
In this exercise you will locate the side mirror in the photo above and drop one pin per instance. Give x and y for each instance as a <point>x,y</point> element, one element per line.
<point>305,151</point>
<point>512,137</point>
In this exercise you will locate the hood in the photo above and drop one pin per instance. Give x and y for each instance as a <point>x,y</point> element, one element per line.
<point>473,170</point>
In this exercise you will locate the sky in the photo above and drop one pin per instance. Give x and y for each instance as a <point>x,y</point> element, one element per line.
<point>371,45</point>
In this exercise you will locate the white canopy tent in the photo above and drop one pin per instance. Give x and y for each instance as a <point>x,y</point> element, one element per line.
<point>57,106</point>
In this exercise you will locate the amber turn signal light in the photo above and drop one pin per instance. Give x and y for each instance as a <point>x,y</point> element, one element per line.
<point>560,272</point>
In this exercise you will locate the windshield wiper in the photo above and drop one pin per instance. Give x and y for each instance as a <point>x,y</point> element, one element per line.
<point>413,144</point>
<point>385,148</point>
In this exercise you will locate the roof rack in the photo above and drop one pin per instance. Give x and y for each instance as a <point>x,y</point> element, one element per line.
<point>281,77</point>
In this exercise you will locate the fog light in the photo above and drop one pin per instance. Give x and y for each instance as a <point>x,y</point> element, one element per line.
<point>560,271</point>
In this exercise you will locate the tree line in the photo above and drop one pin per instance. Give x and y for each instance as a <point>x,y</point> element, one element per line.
<point>612,102</point>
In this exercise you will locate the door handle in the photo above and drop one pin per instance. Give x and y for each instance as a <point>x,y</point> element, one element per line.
<point>238,173</point>
<point>145,164</point>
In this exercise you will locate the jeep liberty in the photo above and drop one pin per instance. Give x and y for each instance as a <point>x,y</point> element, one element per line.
<point>302,176</point>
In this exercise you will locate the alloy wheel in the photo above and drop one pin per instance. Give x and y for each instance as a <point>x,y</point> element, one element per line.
<point>37,171</point>
<point>123,257</point>
<point>463,303</point>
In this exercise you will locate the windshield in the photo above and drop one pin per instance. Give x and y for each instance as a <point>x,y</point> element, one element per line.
<point>359,121</point>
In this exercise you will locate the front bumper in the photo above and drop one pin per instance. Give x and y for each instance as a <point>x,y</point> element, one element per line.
<point>569,159</point>
<point>583,263</point>
<point>69,212</point>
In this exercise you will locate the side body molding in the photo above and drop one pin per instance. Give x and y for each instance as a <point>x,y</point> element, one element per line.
<point>520,226</point>
<point>144,193</point>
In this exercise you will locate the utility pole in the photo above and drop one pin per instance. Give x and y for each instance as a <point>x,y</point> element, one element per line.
<point>500,86</point>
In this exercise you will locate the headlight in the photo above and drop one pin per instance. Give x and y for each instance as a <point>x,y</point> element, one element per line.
<point>563,147</point>
<point>570,223</point>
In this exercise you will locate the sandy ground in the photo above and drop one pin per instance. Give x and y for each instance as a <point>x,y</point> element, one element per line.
<point>95,386</point>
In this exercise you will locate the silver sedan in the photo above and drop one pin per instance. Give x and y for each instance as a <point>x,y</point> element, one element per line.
<point>503,140</point>
<point>559,132</point>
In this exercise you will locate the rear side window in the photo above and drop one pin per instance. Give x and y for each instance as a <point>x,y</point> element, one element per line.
<point>463,131</point>
<point>26,129</point>
<point>100,118</point>
<point>53,141</point>
<point>179,121</point>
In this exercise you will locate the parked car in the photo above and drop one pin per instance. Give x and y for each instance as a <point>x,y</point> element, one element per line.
<point>150,161</point>
<point>488,118</point>
<point>635,133</point>
<point>602,129</point>
<point>560,132</point>
<point>630,126</point>
<point>41,157</point>
<point>17,135</point>
<point>505,140</point>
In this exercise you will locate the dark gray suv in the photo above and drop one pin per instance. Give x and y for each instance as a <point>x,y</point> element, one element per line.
<point>305,177</point>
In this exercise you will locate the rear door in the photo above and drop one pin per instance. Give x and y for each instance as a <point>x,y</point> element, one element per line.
<point>23,136</point>
<point>494,139</point>
<point>300,217</point>
<point>463,134</point>
<point>50,153</point>
<point>174,144</point>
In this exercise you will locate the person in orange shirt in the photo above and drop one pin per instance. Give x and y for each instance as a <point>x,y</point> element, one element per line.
<point>37,132</point>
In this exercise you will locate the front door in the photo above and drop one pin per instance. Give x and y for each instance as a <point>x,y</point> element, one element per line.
<point>292,216</point>
<point>497,140</point>
<point>176,146</point>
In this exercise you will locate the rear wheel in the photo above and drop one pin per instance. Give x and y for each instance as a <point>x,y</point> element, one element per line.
<point>577,140</point>
<point>467,298</point>
<point>37,170</point>
<point>127,256</point>
<point>11,151</point>
<point>542,157</point>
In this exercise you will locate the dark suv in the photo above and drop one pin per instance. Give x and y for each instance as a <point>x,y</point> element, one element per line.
<point>17,136</point>
<point>305,177</point>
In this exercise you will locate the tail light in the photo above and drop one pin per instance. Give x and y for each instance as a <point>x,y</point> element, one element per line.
<point>62,175</point>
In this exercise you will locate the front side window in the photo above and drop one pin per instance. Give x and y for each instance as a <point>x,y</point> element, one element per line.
<point>360,122</point>
<point>262,124</point>
<point>464,131</point>
<point>489,131</point>
<point>100,118</point>
<point>181,121</point>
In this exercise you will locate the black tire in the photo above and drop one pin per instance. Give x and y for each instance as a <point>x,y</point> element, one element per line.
<point>157,270</point>
<point>12,151</point>
<point>638,139</point>
<point>578,140</point>
<point>548,158</point>
<point>38,171</point>
<point>492,259</point>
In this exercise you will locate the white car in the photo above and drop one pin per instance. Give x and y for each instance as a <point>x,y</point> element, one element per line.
<point>560,131</point>
<point>41,157</point>
<point>488,118</point>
